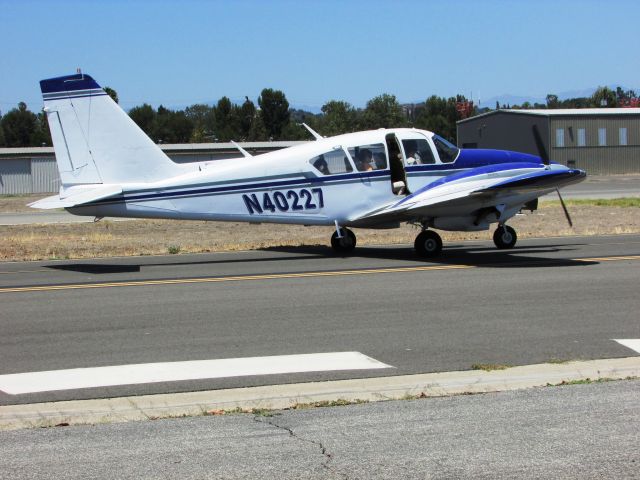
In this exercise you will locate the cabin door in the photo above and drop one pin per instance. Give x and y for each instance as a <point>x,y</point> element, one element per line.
<point>399,184</point>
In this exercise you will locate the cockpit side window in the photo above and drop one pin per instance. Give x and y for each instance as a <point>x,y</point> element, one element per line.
<point>332,163</point>
<point>418,152</point>
<point>446,150</point>
<point>369,157</point>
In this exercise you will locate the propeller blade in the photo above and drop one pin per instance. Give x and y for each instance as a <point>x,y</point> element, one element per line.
<point>542,151</point>
<point>564,207</point>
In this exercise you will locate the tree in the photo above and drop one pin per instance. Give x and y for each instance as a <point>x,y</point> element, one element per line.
<point>439,114</point>
<point>144,116</point>
<point>247,118</point>
<point>19,126</point>
<point>112,93</point>
<point>338,117</point>
<point>552,101</point>
<point>171,126</point>
<point>2,140</point>
<point>227,121</point>
<point>604,97</point>
<point>42,134</point>
<point>383,111</point>
<point>274,111</point>
<point>203,118</point>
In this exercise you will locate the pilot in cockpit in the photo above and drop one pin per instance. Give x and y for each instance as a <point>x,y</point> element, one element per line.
<point>365,163</point>
<point>413,156</point>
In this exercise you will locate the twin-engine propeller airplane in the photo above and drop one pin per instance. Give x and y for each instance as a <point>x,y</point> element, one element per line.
<point>373,179</point>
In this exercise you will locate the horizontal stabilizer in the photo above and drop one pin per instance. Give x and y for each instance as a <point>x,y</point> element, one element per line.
<point>79,197</point>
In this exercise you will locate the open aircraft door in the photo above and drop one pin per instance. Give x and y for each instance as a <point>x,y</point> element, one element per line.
<point>399,185</point>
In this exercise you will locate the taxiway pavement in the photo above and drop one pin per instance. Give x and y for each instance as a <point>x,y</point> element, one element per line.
<point>546,300</point>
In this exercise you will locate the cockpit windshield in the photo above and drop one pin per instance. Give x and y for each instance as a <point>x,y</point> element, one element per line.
<point>447,151</point>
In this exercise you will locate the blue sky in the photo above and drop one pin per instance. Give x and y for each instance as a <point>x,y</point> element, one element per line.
<point>179,53</point>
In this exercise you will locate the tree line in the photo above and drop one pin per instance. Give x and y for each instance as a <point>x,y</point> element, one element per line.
<point>273,118</point>
<point>603,97</point>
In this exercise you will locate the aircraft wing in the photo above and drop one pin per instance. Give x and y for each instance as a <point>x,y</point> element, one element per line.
<point>466,192</point>
<point>79,196</point>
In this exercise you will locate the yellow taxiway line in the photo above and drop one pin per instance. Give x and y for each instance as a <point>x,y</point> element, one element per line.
<point>239,278</point>
<point>272,276</point>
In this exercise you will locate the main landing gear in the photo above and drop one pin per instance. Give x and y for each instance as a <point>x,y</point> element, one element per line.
<point>343,240</point>
<point>504,237</point>
<point>428,244</point>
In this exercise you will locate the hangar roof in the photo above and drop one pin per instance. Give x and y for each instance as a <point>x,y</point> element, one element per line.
<point>561,112</point>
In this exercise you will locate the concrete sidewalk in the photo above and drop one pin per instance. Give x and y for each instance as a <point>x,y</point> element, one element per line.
<point>285,396</point>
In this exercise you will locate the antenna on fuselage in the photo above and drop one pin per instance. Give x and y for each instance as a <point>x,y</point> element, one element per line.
<point>242,150</point>
<point>315,134</point>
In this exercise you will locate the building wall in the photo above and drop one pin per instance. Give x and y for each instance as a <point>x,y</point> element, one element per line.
<point>602,160</point>
<point>512,131</point>
<point>15,176</point>
<point>33,170</point>
<point>503,131</point>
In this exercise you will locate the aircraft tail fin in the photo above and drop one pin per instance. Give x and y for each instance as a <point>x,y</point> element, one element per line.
<point>94,140</point>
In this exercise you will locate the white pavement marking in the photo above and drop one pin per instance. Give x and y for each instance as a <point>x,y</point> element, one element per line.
<point>632,343</point>
<point>32,382</point>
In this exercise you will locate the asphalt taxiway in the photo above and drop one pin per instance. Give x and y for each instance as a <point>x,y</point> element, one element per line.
<point>546,300</point>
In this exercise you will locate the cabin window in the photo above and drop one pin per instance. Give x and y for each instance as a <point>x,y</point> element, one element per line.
<point>369,157</point>
<point>582,137</point>
<point>446,150</point>
<point>418,152</point>
<point>332,163</point>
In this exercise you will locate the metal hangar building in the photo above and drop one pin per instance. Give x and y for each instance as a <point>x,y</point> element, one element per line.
<point>602,141</point>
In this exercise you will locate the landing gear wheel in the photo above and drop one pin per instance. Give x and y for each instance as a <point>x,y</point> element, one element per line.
<point>428,244</point>
<point>345,244</point>
<point>505,237</point>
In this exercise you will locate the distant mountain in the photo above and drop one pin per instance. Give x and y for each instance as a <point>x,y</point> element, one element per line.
<point>520,99</point>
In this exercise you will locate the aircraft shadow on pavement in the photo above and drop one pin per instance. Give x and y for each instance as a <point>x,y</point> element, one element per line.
<point>96,268</point>
<point>453,255</point>
<point>474,256</point>
<point>129,267</point>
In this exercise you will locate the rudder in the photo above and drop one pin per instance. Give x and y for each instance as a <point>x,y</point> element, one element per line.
<point>94,140</point>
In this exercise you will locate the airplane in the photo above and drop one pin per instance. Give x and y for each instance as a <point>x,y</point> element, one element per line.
<point>372,179</point>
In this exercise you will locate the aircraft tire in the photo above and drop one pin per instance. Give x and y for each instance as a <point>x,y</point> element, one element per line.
<point>505,237</point>
<point>428,244</point>
<point>345,244</point>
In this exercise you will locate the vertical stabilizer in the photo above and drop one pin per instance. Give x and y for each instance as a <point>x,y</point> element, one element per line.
<point>95,141</point>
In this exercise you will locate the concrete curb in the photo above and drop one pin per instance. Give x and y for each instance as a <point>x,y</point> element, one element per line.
<point>274,397</point>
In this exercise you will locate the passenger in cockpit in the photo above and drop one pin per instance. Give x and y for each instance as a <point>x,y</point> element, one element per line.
<point>321,164</point>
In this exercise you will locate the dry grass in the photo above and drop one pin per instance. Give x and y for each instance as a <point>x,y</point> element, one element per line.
<point>18,203</point>
<point>150,237</point>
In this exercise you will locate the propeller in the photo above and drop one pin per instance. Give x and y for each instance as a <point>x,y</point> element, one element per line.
<point>564,207</point>
<point>540,145</point>
<point>545,160</point>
